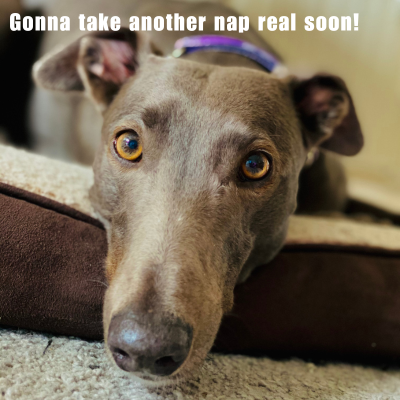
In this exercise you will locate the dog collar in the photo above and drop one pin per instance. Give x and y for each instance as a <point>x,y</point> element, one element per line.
<point>191,44</point>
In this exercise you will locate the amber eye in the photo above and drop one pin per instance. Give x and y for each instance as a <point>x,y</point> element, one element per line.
<point>128,146</point>
<point>255,166</point>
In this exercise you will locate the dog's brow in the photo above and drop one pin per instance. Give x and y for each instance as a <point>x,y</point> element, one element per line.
<point>266,122</point>
<point>235,140</point>
<point>159,115</point>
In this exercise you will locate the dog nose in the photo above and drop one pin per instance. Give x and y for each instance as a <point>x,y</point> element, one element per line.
<point>151,345</point>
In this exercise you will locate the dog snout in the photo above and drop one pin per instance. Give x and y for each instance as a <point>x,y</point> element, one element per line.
<point>149,345</point>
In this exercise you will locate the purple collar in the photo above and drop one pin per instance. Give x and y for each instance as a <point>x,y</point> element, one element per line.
<point>190,44</point>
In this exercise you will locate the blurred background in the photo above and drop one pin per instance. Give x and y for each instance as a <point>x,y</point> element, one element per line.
<point>368,60</point>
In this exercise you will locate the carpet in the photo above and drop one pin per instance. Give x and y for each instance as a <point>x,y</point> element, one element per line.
<point>37,366</point>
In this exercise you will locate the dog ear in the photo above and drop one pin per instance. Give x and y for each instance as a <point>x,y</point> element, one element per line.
<point>327,113</point>
<point>98,63</point>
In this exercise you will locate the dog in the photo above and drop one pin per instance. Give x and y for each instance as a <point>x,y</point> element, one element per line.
<point>195,176</point>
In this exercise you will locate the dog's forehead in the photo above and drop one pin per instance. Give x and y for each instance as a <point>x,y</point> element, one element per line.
<point>244,86</point>
<point>230,89</point>
<point>180,94</point>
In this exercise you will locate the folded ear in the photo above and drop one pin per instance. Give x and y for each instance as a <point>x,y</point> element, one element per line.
<point>327,113</point>
<point>99,63</point>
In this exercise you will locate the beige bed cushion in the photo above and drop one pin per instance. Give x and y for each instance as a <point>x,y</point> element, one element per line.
<point>60,181</point>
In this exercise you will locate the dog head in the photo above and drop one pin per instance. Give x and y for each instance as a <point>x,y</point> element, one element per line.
<point>195,179</point>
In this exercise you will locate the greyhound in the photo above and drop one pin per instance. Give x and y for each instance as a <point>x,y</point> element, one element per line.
<point>195,177</point>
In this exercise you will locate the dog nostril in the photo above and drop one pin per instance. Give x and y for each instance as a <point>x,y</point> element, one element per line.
<point>121,358</point>
<point>167,365</point>
<point>125,361</point>
<point>120,354</point>
<point>166,362</point>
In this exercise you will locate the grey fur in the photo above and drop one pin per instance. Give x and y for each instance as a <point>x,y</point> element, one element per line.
<point>183,229</point>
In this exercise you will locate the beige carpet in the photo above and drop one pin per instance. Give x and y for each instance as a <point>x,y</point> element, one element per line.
<point>71,368</point>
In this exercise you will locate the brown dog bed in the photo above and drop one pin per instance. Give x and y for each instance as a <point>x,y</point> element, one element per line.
<point>331,293</point>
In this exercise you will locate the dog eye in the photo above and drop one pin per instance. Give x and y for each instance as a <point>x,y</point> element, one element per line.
<point>255,166</point>
<point>128,146</point>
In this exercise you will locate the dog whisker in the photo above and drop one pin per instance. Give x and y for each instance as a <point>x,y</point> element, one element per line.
<point>94,280</point>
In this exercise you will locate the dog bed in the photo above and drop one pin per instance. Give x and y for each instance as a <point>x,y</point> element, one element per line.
<point>331,293</point>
